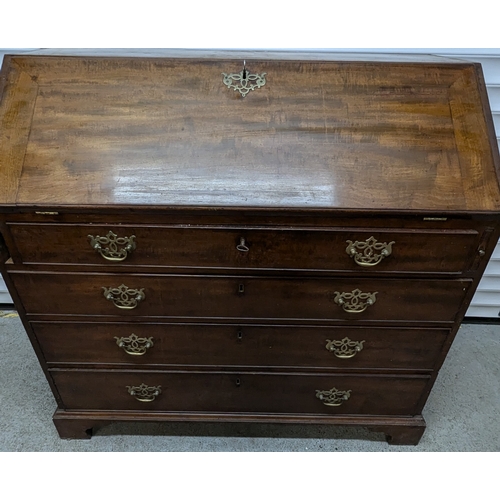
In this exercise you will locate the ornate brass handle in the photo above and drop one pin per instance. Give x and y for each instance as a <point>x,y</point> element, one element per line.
<point>355,301</point>
<point>333,397</point>
<point>144,393</point>
<point>345,348</point>
<point>111,247</point>
<point>242,247</point>
<point>124,297</point>
<point>368,253</point>
<point>134,345</point>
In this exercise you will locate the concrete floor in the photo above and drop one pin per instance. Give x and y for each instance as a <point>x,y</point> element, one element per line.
<point>461,413</point>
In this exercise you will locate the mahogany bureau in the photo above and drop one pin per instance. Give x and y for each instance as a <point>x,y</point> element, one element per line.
<point>228,240</point>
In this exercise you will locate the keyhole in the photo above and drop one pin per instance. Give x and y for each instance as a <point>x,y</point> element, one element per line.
<point>240,335</point>
<point>238,382</point>
<point>244,70</point>
<point>241,288</point>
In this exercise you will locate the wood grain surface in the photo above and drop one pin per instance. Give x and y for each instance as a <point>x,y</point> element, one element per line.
<point>239,345</point>
<point>235,392</point>
<point>326,152</point>
<point>271,248</point>
<point>240,297</point>
<point>318,135</point>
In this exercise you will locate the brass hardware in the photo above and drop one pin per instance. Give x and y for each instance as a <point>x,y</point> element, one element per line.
<point>436,218</point>
<point>243,82</point>
<point>124,297</point>
<point>144,393</point>
<point>345,348</point>
<point>333,397</point>
<point>355,301</point>
<point>239,335</point>
<point>109,246</point>
<point>367,256</point>
<point>47,213</point>
<point>241,288</point>
<point>242,246</point>
<point>134,345</point>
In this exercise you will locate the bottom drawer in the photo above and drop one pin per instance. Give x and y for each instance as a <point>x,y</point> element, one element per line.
<point>240,392</point>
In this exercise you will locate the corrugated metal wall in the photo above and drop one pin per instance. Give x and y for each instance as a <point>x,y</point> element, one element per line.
<point>486,302</point>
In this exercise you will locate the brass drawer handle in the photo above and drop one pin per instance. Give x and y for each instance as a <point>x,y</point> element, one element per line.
<point>242,247</point>
<point>144,393</point>
<point>124,297</point>
<point>355,301</point>
<point>134,345</point>
<point>333,397</point>
<point>345,348</point>
<point>244,81</point>
<point>111,247</point>
<point>368,253</point>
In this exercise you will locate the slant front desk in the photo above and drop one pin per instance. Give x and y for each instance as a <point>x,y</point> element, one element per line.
<point>257,241</point>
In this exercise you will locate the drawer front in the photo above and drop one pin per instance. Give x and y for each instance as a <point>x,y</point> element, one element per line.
<point>240,345</point>
<point>239,392</point>
<point>240,297</point>
<point>225,248</point>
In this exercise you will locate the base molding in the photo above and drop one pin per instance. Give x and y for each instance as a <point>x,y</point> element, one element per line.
<point>82,424</point>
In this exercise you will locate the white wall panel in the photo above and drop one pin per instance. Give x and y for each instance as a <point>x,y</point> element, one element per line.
<point>494,97</point>
<point>496,123</point>
<point>4,294</point>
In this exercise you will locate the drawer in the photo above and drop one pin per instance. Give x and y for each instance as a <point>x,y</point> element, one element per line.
<point>430,251</point>
<point>240,297</point>
<point>240,345</point>
<point>239,392</point>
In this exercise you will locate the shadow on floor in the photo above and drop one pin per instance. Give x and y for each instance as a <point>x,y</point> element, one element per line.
<point>244,430</point>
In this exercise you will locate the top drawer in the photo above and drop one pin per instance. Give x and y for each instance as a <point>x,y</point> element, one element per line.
<point>334,249</point>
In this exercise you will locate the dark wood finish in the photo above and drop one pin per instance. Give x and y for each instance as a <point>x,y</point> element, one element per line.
<point>239,392</point>
<point>74,424</point>
<point>241,297</point>
<point>402,434</point>
<point>76,428</point>
<point>273,248</point>
<point>4,253</point>
<point>240,345</point>
<point>325,152</point>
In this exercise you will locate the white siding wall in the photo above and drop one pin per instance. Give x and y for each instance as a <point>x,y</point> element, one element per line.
<point>486,302</point>
<point>4,294</point>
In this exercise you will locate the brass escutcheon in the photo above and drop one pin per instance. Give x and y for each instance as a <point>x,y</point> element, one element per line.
<point>124,297</point>
<point>368,253</point>
<point>144,393</point>
<point>345,348</point>
<point>134,345</point>
<point>243,82</point>
<point>333,397</point>
<point>355,301</point>
<point>111,247</point>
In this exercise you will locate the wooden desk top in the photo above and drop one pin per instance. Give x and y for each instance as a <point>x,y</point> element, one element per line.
<point>105,131</point>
